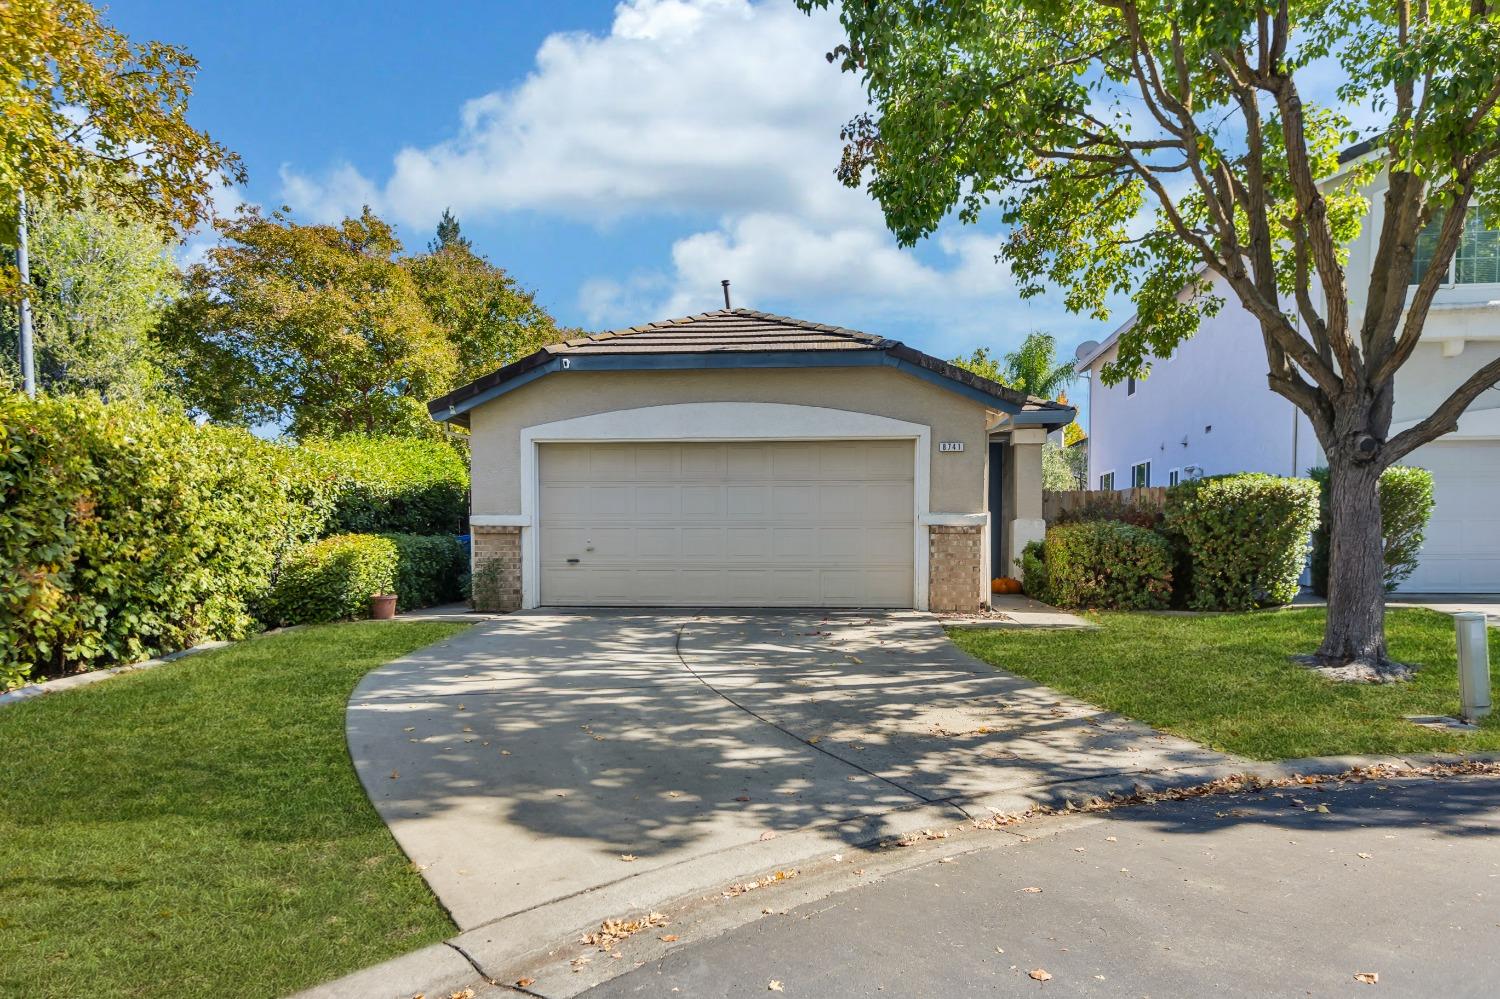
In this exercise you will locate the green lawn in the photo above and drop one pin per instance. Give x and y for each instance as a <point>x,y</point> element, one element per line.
<point>1224,680</point>
<point>197,829</point>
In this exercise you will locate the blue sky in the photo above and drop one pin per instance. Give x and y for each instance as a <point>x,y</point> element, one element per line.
<point>618,159</point>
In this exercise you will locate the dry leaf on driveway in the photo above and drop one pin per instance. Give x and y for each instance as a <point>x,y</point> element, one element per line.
<point>1031,891</point>
<point>768,834</point>
<point>668,938</point>
<point>775,986</point>
<point>524,982</point>
<point>1040,974</point>
<point>628,858</point>
<point>1367,977</point>
<point>1364,856</point>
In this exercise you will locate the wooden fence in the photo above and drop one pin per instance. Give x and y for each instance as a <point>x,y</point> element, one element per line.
<point>1149,498</point>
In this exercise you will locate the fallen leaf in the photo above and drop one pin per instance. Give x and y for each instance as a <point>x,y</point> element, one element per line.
<point>524,982</point>
<point>668,938</point>
<point>628,858</point>
<point>856,660</point>
<point>1364,856</point>
<point>742,797</point>
<point>462,994</point>
<point>1367,977</point>
<point>814,740</point>
<point>1040,974</point>
<point>409,728</point>
<point>768,834</point>
<point>395,774</point>
<point>1323,809</point>
<point>1032,891</point>
<point>945,860</point>
<point>775,986</point>
<point>1111,839</point>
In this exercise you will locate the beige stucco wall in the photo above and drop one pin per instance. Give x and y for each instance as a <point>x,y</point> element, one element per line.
<point>958,479</point>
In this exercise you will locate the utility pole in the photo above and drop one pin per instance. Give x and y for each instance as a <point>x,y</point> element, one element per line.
<point>28,366</point>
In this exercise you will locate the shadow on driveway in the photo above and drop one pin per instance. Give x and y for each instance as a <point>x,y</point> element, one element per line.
<point>543,755</point>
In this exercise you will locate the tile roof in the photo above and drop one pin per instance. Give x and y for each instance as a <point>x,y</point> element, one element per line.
<point>714,338</point>
<point>724,329</point>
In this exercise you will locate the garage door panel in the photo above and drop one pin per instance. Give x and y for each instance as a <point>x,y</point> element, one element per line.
<point>703,543</point>
<point>702,501</point>
<point>611,501</point>
<point>747,501</point>
<point>796,461</point>
<point>1461,551</point>
<point>658,501</point>
<point>758,524</point>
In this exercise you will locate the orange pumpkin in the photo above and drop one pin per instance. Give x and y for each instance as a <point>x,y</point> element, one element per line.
<point>1005,584</point>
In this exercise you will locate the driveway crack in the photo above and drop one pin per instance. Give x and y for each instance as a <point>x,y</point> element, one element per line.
<point>677,650</point>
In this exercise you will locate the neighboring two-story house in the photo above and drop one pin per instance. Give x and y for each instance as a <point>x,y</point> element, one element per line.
<point>1207,410</point>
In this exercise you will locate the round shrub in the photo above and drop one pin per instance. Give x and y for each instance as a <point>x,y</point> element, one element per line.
<point>431,569</point>
<point>1105,563</point>
<point>1034,572</point>
<point>331,580</point>
<point>1405,507</point>
<point>128,531</point>
<point>397,485</point>
<point>1245,537</point>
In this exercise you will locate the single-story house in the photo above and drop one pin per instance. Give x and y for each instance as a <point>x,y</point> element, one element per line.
<point>737,458</point>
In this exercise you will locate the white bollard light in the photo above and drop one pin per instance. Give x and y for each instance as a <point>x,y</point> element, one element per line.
<point>1473,664</point>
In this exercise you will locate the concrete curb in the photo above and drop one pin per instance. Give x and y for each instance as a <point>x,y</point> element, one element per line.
<point>435,970</point>
<point>509,945</point>
<point>94,676</point>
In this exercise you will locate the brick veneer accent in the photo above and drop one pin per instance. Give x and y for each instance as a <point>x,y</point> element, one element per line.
<point>953,573</point>
<point>497,569</point>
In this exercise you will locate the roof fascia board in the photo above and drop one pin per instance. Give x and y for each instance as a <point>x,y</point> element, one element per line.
<point>860,357</point>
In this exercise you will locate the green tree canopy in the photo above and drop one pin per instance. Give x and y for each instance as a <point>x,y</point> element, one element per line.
<point>317,327</point>
<point>1141,148</point>
<point>100,283</point>
<point>490,319</point>
<point>85,114</point>
<point>1032,368</point>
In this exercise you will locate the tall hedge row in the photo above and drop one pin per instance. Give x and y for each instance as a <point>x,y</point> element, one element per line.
<point>393,484</point>
<point>126,532</point>
<point>1230,542</point>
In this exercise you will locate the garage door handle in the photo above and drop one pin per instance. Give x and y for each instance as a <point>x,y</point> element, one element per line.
<point>573,561</point>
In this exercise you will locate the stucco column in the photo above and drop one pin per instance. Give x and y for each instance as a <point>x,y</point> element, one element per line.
<point>1024,494</point>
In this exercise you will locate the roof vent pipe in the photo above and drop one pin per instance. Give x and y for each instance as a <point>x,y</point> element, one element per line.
<point>725,283</point>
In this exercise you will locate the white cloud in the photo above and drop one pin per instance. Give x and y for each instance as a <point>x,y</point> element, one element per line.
<point>723,114</point>
<point>685,106</point>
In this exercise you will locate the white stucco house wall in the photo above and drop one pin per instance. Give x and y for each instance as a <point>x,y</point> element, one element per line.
<point>1208,410</point>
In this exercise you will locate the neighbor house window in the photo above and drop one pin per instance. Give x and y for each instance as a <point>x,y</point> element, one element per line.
<point>1477,259</point>
<point>1172,477</point>
<point>1107,480</point>
<point>1140,475</point>
<point>1130,385</point>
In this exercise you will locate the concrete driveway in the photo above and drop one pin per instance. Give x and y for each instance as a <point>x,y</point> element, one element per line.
<point>546,770</point>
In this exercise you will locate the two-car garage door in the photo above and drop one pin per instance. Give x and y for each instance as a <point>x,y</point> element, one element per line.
<point>782,523</point>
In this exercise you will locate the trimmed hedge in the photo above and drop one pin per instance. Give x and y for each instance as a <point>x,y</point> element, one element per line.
<point>1245,536</point>
<point>126,532</point>
<point>431,570</point>
<point>394,485</point>
<point>1405,507</point>
<point>1102,563</point>
<point>331,579</point>
<point>1034,572</point>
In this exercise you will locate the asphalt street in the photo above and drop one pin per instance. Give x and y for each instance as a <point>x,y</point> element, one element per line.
<point>1387,888</point>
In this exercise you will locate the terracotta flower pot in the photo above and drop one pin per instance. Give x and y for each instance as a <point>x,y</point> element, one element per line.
<point>382,607</point>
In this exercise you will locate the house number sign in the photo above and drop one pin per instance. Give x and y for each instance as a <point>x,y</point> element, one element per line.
<point>950,445</point>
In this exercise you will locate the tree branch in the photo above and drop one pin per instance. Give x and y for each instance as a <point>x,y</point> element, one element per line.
<point>1444,419</point>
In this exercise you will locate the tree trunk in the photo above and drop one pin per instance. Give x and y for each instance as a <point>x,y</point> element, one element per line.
<point>1355,632</point>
